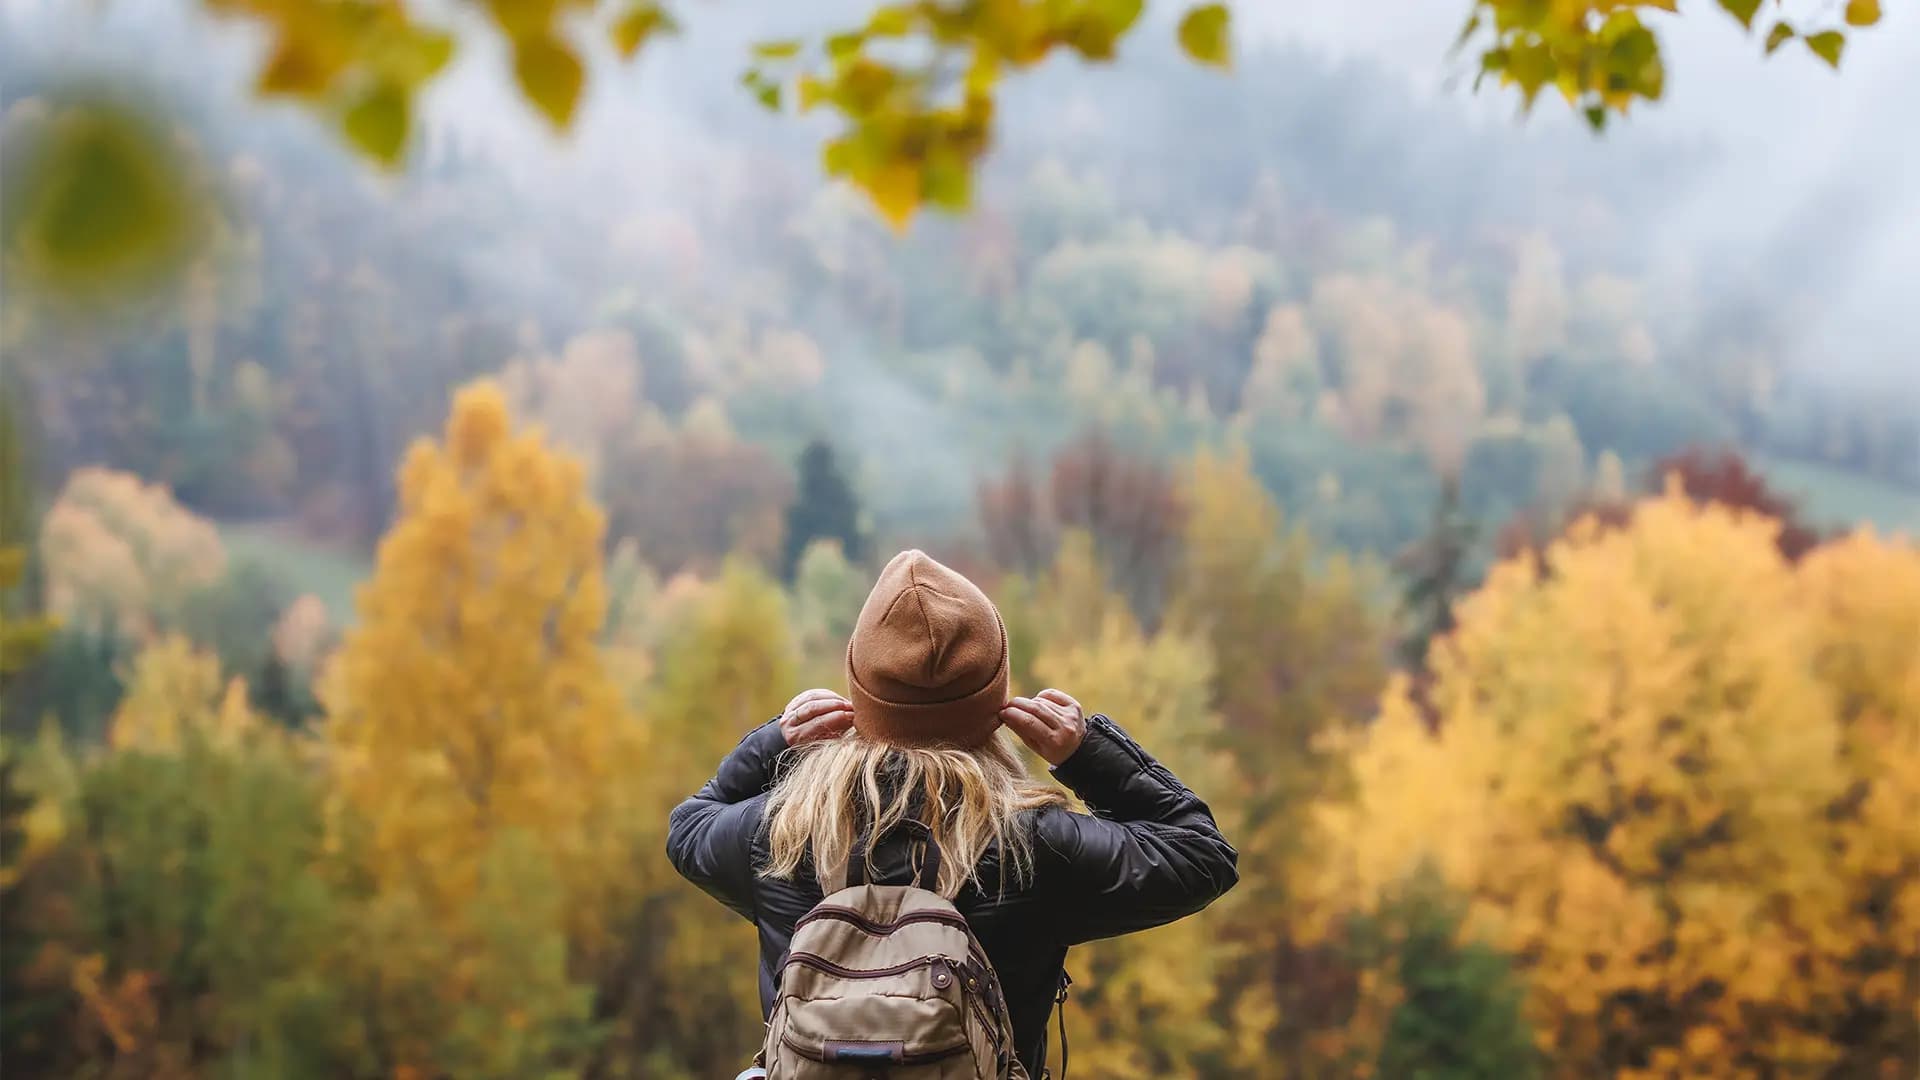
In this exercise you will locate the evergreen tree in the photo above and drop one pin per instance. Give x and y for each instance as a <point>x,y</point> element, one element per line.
<point>1436,569</point>
<point>825,507</point>
<point>1459,1017</point>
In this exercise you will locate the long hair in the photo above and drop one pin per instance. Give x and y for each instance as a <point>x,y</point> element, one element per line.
<point>970,800</point>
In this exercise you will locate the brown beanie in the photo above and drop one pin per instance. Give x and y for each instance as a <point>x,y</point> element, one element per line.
<point>927,664</point>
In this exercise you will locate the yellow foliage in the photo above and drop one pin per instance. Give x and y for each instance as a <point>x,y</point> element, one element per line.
<point>1644,780</point>
<point>1144,1005</point>
<point>472,700</point>
<point>727,667</point>
<point>176,691</point>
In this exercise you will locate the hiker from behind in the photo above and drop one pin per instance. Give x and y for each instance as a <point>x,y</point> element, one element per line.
<point>915,889</point>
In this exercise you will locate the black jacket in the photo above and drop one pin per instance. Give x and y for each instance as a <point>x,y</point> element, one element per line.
<point>1149,854</point>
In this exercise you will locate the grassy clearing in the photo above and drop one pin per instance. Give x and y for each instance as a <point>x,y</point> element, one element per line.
<point>1836,498</point>
<point>328,573</point>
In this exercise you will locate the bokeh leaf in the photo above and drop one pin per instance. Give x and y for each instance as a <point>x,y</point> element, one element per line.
<point>1827,45</point>
<point>895,189</point>
<point>1778,36</point>
<point>550,75</point>
<point>1744,10</point>
<point>1863,12</point>
<point>377,123</point>
<point>785,49</point>
<point>637,25</point>
<point>1206,35</point>
<point>98,200</point>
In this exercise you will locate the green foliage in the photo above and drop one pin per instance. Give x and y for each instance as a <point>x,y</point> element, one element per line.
<point>1459,1017</point>
<point>1436,570</point>
<point>235,615</point>
<point>23,638</point>
<point>187,917</point>
<point>824,508</point>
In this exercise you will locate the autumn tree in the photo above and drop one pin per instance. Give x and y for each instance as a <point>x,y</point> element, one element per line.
<point>689,496</point>
<point>726,667</point>
<point>479,755</point>
<point>1298,654</point>
<point>1015,518</point>
<point>119,552</point>
<point>1130,505</point>
<point>827,594</point>
<point>181,924</point>
<point>1672,740</point>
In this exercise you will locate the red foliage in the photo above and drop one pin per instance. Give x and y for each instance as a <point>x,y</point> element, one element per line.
<point>1129,503</point>
<point>1725,478</point>
<point>1706,475</point>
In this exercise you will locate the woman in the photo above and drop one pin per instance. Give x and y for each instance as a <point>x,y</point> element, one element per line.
<point>913,756</point>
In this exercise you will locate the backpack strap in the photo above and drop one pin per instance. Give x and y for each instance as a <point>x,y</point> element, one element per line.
<point>1060,1010</point>
<point>853,872</point>
<point>926,874</point>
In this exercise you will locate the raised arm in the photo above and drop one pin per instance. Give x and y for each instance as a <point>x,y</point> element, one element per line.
<point>1149,853</point>
<point>710,835</point>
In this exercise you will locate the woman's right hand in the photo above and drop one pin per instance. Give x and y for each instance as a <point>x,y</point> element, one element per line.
<point>814,715</point>
<point>1051,723</point>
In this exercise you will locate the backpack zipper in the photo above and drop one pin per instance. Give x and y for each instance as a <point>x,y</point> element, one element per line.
<point>849,915</point>
<point>921,1057</point>
<point>821,963</point>
<point>880,929</point>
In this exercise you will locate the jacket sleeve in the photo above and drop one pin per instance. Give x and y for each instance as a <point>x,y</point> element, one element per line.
<point>710,836</point>
<point>1148,854</point>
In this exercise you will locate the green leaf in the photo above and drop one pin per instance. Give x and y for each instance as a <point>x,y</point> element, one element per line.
<point>550,76</point>
<point>1863,12</point>
<point>784,49</point>
<point>1743,10</point>
<point>766,89</point>
<point>377,122</point>
<point>638,24</point>
<point>1596,117</point>
<point>1778,36</point>
<point>1827,45</point>
<point>1206,35</point>
<point>841,46</point>
<point>1531,66</point>
<point>99,199</point>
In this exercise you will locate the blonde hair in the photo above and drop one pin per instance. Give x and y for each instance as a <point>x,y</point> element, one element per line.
<point>970,800</point>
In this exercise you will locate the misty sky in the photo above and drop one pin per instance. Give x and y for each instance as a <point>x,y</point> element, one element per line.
<point>1819,181</point>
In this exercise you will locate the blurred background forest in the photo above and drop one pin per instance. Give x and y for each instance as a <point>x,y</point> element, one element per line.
<point>1507,528</point>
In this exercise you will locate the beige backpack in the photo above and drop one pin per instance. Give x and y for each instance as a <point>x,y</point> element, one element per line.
<point>888,981</point>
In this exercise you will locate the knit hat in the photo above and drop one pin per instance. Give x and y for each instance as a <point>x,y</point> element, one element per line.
<point>927,664</point>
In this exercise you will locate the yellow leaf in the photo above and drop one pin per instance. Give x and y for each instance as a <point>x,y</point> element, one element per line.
<point>639,23</point>
<point>550,75</point>
<point>895,189</point>
<point>1206,35</point>
<point>1863,12</point>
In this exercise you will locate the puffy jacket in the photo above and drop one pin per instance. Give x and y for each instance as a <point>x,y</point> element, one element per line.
<point>1148,854</point>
